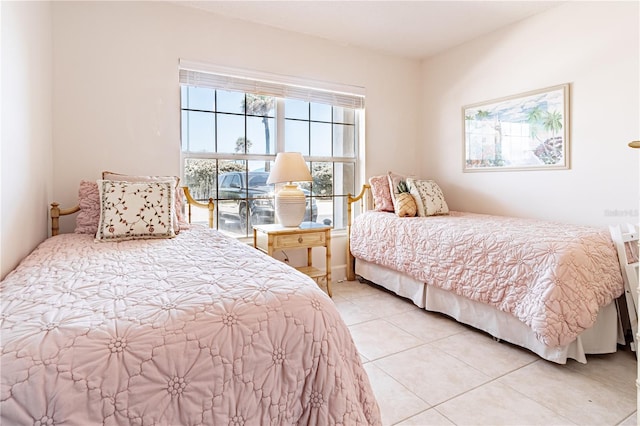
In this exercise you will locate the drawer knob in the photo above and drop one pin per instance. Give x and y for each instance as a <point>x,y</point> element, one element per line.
<point>300,239</point>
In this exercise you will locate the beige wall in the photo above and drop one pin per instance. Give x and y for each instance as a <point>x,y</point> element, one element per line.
<point>26,153</point>
<point>109,98</point>
<point>592,45</point>
<point>116,93</point>
<point>115,103</point>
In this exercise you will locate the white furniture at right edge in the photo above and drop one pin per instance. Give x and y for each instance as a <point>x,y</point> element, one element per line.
<point>516,279</point>
<point>625,238</point>
<point>636,145</point>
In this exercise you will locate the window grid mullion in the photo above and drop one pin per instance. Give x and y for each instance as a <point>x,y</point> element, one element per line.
<point>280,131</point>
<point>215,131</point>
<point>246,148</point>
<point>332,134</point>
<point>309,128</point>
<point>278,142</point>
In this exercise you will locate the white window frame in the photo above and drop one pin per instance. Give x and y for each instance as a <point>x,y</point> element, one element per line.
<point>255,82</point>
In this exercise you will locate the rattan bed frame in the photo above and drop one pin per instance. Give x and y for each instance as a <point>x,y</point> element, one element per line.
<point>366,203</point>
<point>55,211</point>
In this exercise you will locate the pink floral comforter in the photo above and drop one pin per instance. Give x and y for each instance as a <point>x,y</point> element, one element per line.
<point>199,329</point>
<point>553,277</point>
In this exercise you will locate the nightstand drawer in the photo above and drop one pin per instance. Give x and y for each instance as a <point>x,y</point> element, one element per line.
<point>307,239</point>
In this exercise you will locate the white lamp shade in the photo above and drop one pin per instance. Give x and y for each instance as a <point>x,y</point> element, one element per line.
<point>290,200</point>
<point>289,167</point>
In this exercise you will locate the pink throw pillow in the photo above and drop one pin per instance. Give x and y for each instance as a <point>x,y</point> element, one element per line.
<point>394,180</point>
<point>89,202</point>
<point>381,193</point>
<point>180,206</point>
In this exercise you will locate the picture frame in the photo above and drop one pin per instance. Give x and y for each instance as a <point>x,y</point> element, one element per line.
<point>527,131</point>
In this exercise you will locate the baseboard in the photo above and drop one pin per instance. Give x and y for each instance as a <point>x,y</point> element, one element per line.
<point>338,273</point>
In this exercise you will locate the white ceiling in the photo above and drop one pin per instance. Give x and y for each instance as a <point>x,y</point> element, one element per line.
<point>414,29</point>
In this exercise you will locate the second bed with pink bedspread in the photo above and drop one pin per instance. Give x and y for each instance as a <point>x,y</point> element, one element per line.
<point>553,277</point>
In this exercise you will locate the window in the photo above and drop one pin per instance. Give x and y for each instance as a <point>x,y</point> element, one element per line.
<point>231,134</point>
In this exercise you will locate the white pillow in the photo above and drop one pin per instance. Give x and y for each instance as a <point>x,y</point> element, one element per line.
<point>429,197</point>
<point>178,216</point>
<point>135,210</point>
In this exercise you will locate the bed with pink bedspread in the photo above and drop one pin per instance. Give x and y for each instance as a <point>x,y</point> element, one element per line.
<point>198,329</point>
<point>538,284</point>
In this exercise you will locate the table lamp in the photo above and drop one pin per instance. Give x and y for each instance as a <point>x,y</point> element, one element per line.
<point>290,200</point>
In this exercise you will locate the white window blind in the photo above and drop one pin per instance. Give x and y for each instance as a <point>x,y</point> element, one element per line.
<point>202,75</point>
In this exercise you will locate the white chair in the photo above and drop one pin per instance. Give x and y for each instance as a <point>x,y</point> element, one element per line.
<point>625,238</point>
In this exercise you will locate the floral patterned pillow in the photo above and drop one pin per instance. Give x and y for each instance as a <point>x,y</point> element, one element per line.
<point>179,219</point>
<point>130,210</point>
<point>381,193</point>
<point>428,196</point>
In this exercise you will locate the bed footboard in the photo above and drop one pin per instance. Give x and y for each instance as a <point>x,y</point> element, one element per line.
<point>55,212</point>
<point>366,201</point>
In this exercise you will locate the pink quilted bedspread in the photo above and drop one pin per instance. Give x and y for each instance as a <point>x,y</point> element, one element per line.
<point>200,329</point>
<point>553,277</point>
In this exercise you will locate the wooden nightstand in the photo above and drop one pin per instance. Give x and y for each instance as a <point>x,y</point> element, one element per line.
<point>270,238</point>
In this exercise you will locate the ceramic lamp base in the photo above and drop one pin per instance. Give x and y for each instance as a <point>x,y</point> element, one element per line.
<point>290,205</point>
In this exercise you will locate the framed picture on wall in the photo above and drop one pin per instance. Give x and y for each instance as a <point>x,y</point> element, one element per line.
<point>528,131</point>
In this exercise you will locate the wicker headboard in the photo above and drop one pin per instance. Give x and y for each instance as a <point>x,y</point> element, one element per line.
<point>366,203</point>
<point>192,202</point>
<point>55,212</point>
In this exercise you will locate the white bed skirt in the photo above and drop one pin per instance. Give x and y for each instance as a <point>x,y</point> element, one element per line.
<point>602,338</point>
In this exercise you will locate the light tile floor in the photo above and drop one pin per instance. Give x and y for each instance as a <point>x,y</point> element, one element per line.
<point>427,369</point>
